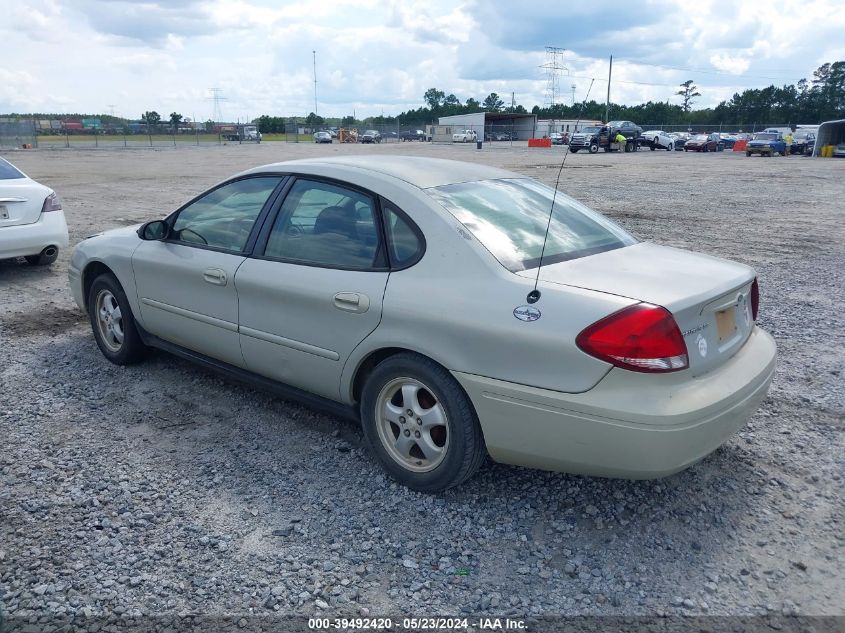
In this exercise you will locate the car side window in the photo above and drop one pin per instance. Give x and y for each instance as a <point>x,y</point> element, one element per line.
<point>223,218</point>
<point>404,245</point>
<point>325,225</point>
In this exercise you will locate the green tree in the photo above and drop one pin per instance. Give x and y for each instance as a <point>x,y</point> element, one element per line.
<point>472,105</point>
<point>348,121</point>
<point>175,120</point>
<point>688,91</point>
<point>492,103</point>
<point>151,116</point>
<point>434,98</point>
<point>314,121</point>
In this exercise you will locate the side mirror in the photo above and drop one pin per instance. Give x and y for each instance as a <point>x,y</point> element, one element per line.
<point>154,231</point>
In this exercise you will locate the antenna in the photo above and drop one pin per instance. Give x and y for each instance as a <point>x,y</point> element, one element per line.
<point>314,53</point>
<point>534,295</point>
<point>553,66</point>
<point>216,97</point>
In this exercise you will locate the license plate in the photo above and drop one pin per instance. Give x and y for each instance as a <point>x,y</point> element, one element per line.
<point>726,323</point>
<point>4,212</point>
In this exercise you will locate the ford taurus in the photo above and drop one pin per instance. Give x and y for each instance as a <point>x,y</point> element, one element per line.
<point>438,303</point>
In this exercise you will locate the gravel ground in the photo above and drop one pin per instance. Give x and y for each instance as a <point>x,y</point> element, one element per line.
<point>165,489</point>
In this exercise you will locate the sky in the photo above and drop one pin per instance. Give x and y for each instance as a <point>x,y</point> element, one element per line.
<point>379,56</point>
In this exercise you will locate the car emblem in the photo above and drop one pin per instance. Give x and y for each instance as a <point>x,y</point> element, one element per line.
<point>702,346</point>
<point>526,313</point>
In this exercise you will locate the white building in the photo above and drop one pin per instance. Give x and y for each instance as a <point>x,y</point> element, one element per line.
<point>488,125</point>
<point>547,126</point>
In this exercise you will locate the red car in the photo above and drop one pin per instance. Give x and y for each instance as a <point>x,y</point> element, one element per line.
<point>703,143</point>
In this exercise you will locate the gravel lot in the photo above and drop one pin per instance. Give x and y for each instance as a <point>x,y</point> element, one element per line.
<point>164,489</point>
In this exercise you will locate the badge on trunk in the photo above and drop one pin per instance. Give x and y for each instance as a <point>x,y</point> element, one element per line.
<point>526,313</point>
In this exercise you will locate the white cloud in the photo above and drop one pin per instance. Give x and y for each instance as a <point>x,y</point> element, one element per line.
<point>381,55</point>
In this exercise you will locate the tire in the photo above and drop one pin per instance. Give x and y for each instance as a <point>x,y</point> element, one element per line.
<point>574,151</point>
<point>44,258</point>
<point>653,146</point>
<point>594,148</point>
<point>670,147</point>
<point>455,448</point>
<point>123,345</point>
<point>748,154</point>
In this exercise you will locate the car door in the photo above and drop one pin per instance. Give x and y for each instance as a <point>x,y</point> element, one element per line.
<point>185,283</point>
<point>313,289</point>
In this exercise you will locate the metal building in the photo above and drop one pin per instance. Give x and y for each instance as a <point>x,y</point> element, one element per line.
<point>489,125</point>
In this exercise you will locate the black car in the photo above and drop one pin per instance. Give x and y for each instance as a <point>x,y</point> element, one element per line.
<point>412,135</point>
<point>630,130</point>
<point>370,136</point>
<point>801,141</point>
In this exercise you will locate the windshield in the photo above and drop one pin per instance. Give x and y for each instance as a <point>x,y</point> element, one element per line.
<point>8,172</point>
<point>371,132</point>
<point>700,137</point>
<point>616,123</point>
<point>509,217</point>
<point>765,137</point>
<point>591,130</point>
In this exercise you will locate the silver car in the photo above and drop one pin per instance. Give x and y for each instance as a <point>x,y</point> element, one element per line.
<point>408,293</point>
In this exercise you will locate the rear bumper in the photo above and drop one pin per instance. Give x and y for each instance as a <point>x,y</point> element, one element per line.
<point>630,425</point>
<point>31,239</point>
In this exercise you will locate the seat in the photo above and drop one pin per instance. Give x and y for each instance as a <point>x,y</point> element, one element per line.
<point>336,220</point>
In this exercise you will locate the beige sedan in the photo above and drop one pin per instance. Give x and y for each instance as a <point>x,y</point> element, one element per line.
<point>420,296</point>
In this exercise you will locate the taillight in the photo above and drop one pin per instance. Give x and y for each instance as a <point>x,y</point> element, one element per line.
<point>51,203</point>
<point>755,299</point>
<point>643,337</point>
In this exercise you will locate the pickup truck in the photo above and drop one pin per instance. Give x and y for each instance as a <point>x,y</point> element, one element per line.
<point>464,136</point>
<point>766,144</point>
<point>412,135</point>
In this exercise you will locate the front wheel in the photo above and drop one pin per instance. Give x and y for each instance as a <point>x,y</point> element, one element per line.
<point>574,151</point>
<point>113,323</point>
<point>670,147</point>
<point>420,424</point>
<point>594,148</point>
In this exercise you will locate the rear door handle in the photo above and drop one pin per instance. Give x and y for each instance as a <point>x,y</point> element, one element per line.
<point>351,302</point>
<point>215,276</point>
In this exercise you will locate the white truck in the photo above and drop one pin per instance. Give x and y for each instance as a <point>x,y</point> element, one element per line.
<point>464,136</point>
<point>241,133</point>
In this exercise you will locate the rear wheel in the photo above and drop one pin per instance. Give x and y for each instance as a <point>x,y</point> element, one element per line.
<point>594,148</point>
<point>44,258</point>
<point>420,424</point>
<point>113,323</point>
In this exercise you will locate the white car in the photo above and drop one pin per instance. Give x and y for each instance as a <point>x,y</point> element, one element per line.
<point>464,136</point>
<point>657,139</point>
<point>32,223</point>
<point>407,293</point>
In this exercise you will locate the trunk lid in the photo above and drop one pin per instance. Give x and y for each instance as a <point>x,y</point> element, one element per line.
<point>21,200</point>
<point>709,297</point>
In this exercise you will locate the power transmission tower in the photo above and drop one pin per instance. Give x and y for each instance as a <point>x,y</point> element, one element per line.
<point>111,108</point>
<point>553,67</point>
<point>216,97</point>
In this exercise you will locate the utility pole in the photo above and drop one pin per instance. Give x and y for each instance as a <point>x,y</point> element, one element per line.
<point>513,102</point>
<point>314,53</point>
<point>607,105</point>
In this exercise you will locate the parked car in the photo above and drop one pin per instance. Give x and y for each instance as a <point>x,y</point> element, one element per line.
<point>728,140</point>
<point>313,278</point>
<point>559,138</point>
<point>412,135</point>
<point>766,144</point>
<point>680,139</point>
<point>464,136</point>
<point>370,136</point>
<point>657,139</point>
<point>801,140</point>
<point>839,151</point>
<point>498,136</point>
<point>32,222</point>
<point>322,137</point>
<point>703,143</point>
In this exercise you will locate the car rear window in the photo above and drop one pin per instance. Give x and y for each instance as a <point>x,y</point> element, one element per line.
<point>8,171</point>
<point>509,217</point>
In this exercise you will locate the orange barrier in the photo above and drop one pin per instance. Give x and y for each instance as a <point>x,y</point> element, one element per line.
<point>539,142</point>
<point>739,146</point>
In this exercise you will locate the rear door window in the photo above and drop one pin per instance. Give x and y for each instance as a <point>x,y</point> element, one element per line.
<point>9,171</point>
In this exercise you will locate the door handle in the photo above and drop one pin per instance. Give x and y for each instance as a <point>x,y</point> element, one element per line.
<point>352,302</point>
<point>215,276</point>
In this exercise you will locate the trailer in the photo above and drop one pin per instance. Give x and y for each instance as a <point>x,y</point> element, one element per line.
<point>240,132</point>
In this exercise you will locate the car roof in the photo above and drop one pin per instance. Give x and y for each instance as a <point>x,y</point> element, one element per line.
<point>419,171</point>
